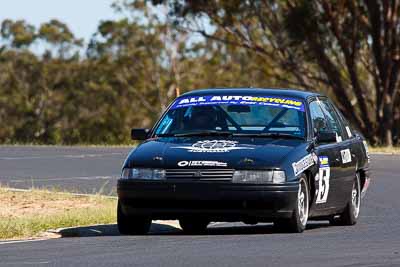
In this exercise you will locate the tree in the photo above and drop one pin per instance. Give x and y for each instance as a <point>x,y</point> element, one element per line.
<point>144,52</point>
<point>348,49</point>
<point>19,34</point>
<point>59,35</point>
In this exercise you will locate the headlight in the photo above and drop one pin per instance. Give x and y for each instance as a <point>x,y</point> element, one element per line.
<point>259,177</point>
<point>143,174</point>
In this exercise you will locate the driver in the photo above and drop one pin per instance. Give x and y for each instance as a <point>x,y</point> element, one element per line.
<point>204,118</point>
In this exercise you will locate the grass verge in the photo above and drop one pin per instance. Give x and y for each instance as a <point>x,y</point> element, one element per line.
<point>26,214</point>
<point>383,149</point>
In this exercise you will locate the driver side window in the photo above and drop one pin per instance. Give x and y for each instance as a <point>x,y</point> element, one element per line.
<point>318,118</point>
<point>332,118</point>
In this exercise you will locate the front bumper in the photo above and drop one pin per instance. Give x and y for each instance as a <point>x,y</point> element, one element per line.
<point>213,200</point>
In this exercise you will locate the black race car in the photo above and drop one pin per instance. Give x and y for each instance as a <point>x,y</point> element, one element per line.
<point>250,155</point>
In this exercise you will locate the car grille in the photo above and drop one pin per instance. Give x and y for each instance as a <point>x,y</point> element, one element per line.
<point>200,174</point>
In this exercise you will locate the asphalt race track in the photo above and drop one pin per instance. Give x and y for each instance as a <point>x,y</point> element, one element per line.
<point>76,169</point>
<point>374,241</point>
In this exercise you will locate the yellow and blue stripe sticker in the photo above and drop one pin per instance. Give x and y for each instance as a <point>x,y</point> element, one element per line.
<point>274,101</point>
<point>323,161</point>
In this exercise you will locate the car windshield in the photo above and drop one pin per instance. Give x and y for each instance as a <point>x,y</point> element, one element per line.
<point>271,116</point>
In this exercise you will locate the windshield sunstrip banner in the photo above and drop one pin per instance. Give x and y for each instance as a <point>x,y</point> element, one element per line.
<point>275,101</point>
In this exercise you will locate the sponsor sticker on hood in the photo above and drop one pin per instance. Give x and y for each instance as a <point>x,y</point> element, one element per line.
<point>214,146</point>
<point>202,163</point>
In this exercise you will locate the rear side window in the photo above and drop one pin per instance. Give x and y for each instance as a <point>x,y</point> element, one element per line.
<point>348,130</point>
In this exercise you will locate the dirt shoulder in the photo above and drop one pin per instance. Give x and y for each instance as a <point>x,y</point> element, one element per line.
<point>30,213</point>
<point>384,150</point>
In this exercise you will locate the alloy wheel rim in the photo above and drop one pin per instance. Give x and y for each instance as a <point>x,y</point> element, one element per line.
<point>302,202</point>
<point>355,198</point>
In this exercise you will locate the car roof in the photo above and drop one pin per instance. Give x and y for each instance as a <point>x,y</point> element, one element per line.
<point>253,91</point>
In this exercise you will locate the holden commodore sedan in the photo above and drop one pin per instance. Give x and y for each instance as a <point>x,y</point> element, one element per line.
<point>249,155</point>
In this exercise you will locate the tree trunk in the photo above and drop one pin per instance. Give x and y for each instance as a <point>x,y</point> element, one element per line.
<point>396,126</point>
<point>387,122</point>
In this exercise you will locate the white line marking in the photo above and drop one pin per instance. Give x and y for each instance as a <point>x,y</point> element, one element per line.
<point>22,241</point>
<point>62,193</point>
<point>22,180</point>
<point>34,263</point>
<point>79,156</point>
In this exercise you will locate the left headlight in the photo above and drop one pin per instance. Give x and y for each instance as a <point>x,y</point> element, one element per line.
<point>143,174</point>
<point>259,177</point>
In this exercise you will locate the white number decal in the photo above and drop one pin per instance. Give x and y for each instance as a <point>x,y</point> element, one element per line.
<point>323,180</point>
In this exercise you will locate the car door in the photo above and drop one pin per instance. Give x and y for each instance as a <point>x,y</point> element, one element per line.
<point>326,186</point>
<point>353,144</point>
<point>346,146</point>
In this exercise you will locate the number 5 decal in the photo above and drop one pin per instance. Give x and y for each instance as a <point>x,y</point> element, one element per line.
<point>323,180</point>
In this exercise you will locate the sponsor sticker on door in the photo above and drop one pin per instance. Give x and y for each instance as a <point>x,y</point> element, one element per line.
<point>346,156</point>
<point>303,164</point>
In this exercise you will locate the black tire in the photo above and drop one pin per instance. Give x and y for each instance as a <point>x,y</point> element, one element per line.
<point>193,226</point>
<point>298,222</point>
<point>350,214</point>
<point>132,224</point>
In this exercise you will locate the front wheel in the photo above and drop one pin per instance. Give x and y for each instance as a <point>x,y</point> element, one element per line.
<point>350,214</point>
<point>298,222</point>
<point>132,224</point>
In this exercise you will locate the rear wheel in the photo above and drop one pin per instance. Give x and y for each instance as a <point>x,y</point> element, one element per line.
<point>193,226</point>
<point>350,214</point>
<point>132,224</point>
<point>298,222</point>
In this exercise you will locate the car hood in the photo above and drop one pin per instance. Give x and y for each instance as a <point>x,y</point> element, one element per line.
<point>211,152</point>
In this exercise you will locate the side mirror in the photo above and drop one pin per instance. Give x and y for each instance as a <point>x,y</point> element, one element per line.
<point>139,133</point>
<point>326,137</point>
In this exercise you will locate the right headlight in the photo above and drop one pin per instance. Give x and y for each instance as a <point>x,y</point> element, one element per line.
<point>259,177</point>
<point>143,174</point>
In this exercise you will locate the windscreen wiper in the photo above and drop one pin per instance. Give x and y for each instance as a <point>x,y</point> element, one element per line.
<point>271,135</point>
<point>164,135</point>
<point>204,133</point>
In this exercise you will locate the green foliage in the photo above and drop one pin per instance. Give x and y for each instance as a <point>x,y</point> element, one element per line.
<point>127,79</point>
<point>19,33</point>
<point>58,35</point>
<point>128,73</point>
<point>56,32</point>
<point>348,50</point>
